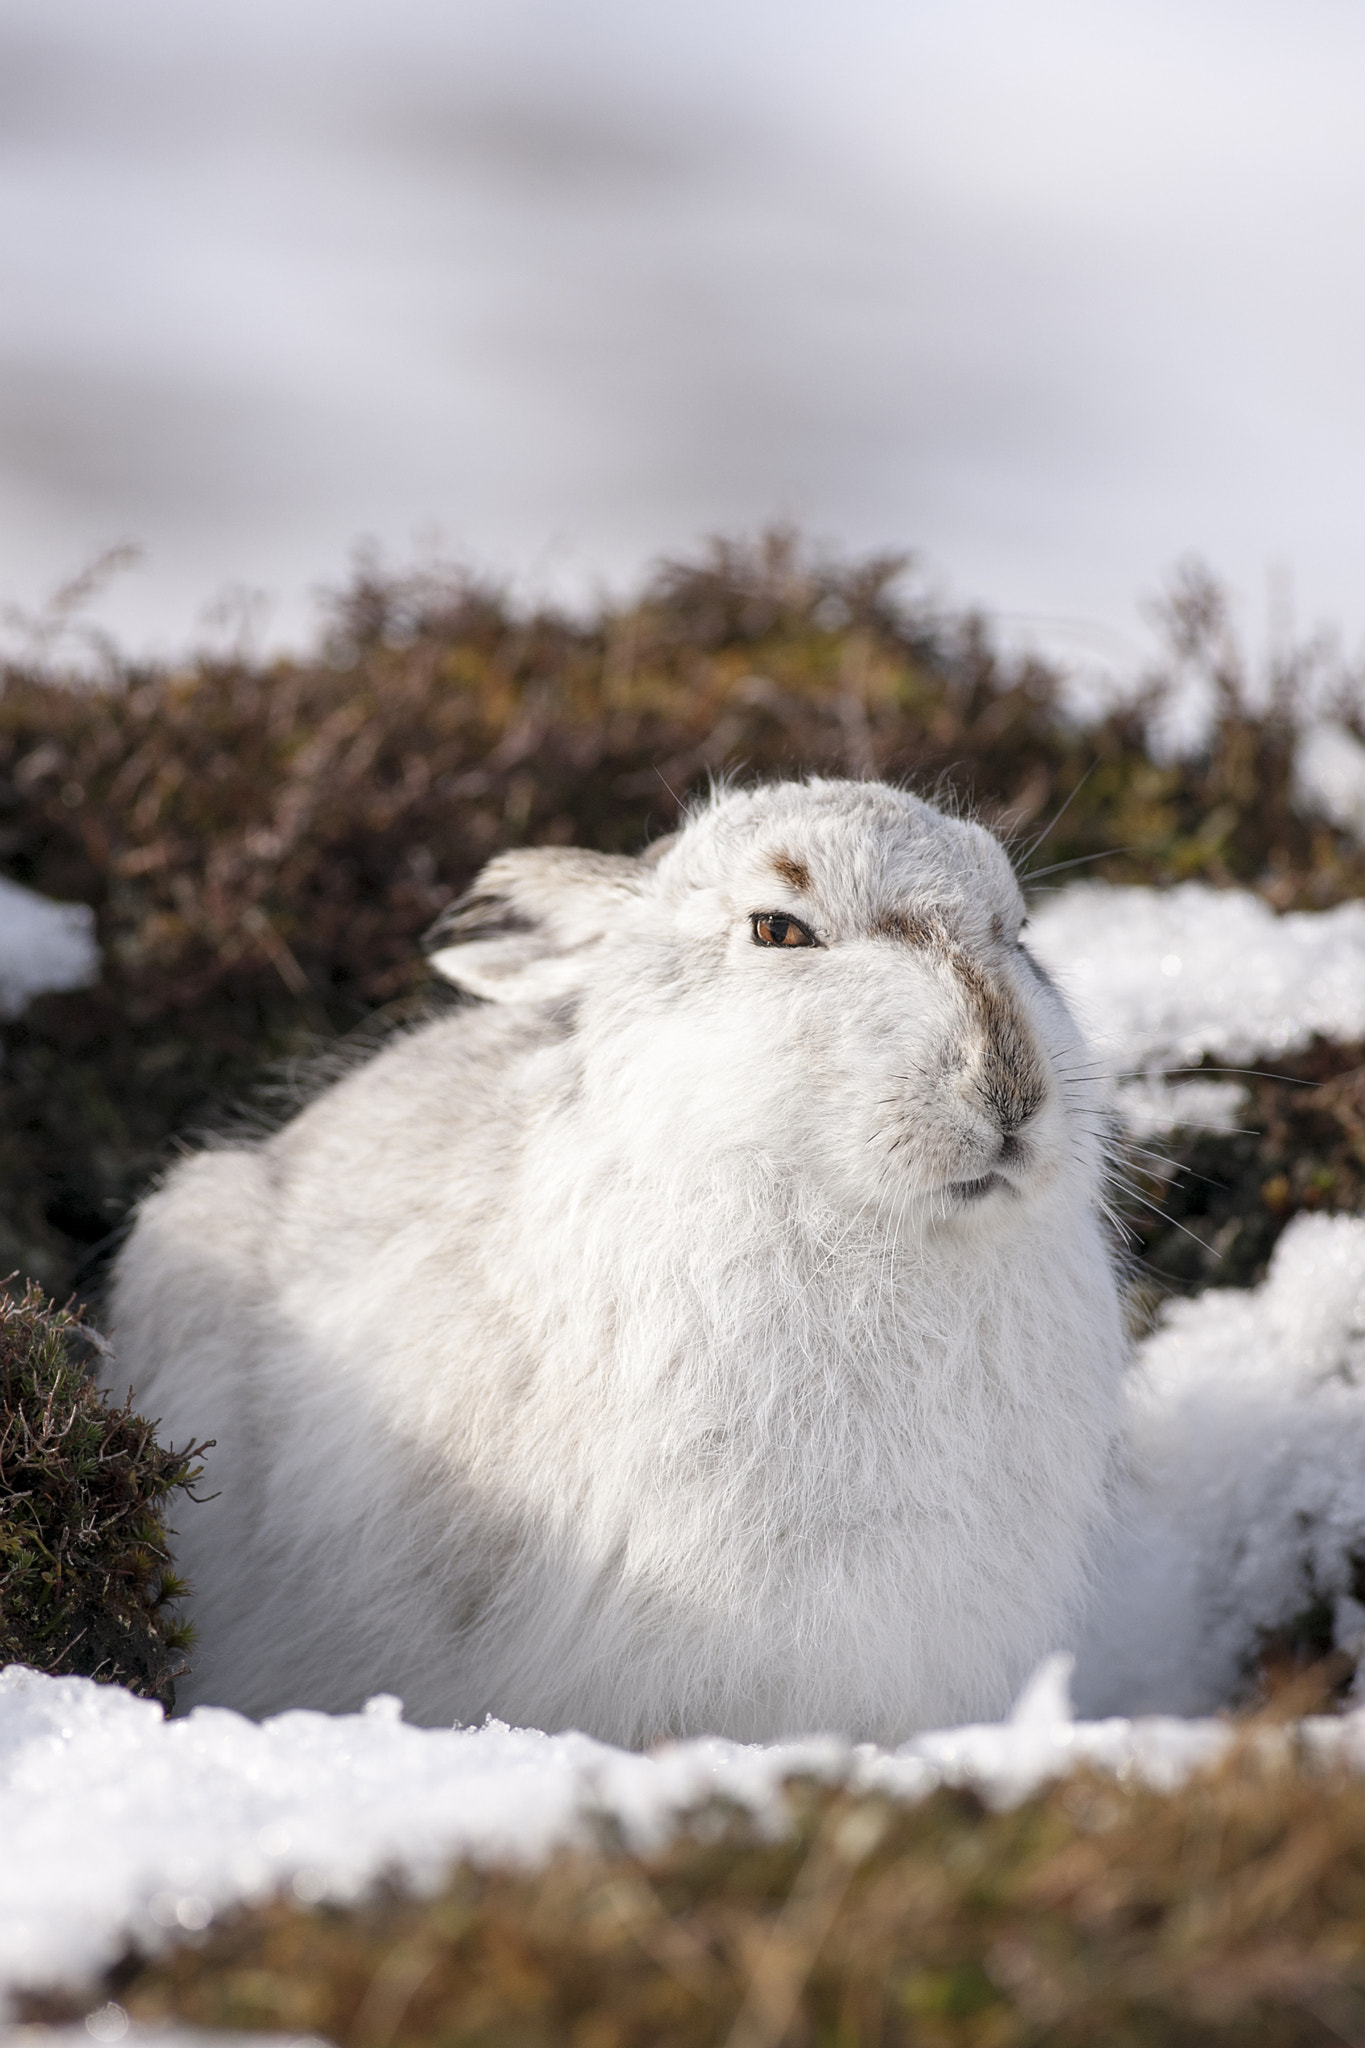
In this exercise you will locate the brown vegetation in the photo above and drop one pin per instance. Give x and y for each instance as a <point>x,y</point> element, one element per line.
<point>1096,1915</point>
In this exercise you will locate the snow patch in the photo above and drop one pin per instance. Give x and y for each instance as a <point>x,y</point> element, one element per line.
<point>44,947</point>
<point>110,2024</point>
<point>1246,1497</point>
<point>1150,1105</point>
<point>1160,978</point>
<point>1329,775</point>
<point>119,1825</point>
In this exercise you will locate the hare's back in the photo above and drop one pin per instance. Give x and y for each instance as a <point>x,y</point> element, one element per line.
<point>187,1291</point>
<point>417,1133</point>
<point>242,1241</point>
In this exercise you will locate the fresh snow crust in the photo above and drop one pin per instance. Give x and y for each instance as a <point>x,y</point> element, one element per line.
<point>1244,1500</point>
<point>119,1825</point>
<point>1160,977</point>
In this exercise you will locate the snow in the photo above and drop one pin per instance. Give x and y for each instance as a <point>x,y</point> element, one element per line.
<point>1162,977</point>
<point>1245,1504</point>
<point>43,947</point>
<point>119,1825</point>
<point>110,2023</point>
<point>1246,1499</point>
<point>1329,775</point>
<point>1150,1104</point>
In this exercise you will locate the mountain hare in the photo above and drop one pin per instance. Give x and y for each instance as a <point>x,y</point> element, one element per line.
<point>686,1336</point>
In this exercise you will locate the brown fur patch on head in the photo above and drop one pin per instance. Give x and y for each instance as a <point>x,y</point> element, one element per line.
<point>791,870</point>
<point>915,931</point>
<point>1012,1077</point>
<point>1011,1071</point>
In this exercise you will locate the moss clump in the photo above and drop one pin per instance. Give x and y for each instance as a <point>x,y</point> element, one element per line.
<point>1230,1912</point>
<point>85,1580</point>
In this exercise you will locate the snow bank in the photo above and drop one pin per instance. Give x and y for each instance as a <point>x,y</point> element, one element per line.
<point>119,1825</point>
<point>1246,1500</point>
<point>43,946</point>
<point>1161,977</point>
<point>116,1822</point>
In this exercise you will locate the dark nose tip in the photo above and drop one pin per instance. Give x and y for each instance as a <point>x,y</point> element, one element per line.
<point>1012,1150</point>
<point>1015,1105</point>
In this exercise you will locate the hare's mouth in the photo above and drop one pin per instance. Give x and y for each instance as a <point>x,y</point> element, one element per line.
<point>977,1190</point>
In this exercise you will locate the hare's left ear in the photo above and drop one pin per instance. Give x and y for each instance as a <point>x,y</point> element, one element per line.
<point>528,929</point>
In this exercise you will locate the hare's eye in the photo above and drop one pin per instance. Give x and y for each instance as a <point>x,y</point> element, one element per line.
<point>775,928</point>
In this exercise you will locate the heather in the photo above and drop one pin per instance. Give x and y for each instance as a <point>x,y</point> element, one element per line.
<point>86,1580</point>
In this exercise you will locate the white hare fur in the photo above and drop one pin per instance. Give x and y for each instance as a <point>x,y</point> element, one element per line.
<point>698,1334</point>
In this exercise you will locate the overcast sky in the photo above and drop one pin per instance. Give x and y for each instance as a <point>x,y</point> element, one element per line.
<point>1050,293</point>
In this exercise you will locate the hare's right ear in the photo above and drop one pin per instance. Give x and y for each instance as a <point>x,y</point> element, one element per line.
<point>526,932</point>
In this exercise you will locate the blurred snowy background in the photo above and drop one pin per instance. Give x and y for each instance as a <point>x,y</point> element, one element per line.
<point>1052,294</point>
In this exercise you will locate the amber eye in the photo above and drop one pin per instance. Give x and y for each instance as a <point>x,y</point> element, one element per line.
<point>775,928</point>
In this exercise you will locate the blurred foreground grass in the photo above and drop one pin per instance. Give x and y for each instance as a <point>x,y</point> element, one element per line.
<point>264,843</point>
<point>1096,1915</point>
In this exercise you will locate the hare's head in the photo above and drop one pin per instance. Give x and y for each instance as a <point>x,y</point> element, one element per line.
<point>826,974</point>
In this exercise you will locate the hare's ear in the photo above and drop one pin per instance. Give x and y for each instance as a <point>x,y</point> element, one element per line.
<point>528,928</point>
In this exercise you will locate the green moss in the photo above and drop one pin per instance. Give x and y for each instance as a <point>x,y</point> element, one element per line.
<point>86,1584</point>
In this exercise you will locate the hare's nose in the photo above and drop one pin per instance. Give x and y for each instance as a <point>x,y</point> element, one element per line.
<point>1013,1088</point>
<point>1016,1110</point>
